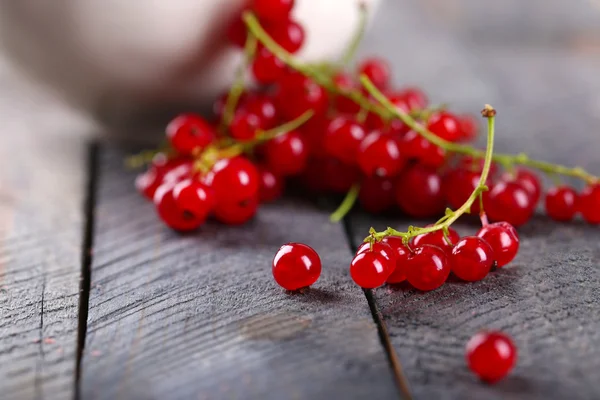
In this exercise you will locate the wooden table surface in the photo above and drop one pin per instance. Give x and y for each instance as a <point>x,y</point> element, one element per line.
<point>99,300</point>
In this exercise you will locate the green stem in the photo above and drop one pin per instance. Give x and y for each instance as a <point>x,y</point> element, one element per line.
<point>452,216</point>
<point>346,205</point>
<point>357,38</point>
<point>262,136</point>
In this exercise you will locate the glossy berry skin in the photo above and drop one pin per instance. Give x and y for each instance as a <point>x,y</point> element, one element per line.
<point>266,68</point>
<point>379,155</point>
<point>589,204</point>
<point>370,269</point>
<point>491,355</point>
<point>382,248</point>
<point>273,10</point>
<point>147,182</point>
<point>419,192</point>
<point>468,127</point>
<point>396,127</point>
<point>402,254</point>
<point>271,185</point>
<point>415,98</point>
<point>219,104</point>
<point>561,203</point>
<point>415,146</point>
<point>471,258</point>
<point>343,138</point>
<point>169,212</point>
<point>445,125</point>
<point>297,94</point>
<point>343,104</point>
<point>437,238</point>
<point>503,239</point>
<point>178,173</point>
<point>458,184</point>
<point>188,132</point>
<point>288,34</point>
<point>377,70</point>
<point>296,266</point>
<point>286,154</point>
<point>244,126</point>
<point>194,197</point>
<point>427,268</point>
<point>264,107</point>
<point>376,194</point>
<point>530,182</point>
<point>236,213</point>
<point>233,180</point>
<point>510,202</point>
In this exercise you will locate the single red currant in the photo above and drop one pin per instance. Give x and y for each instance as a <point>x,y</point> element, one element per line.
<point>296,266</point>
<point>188,132</point>
<point>377,70</point>
<point>459,183</point>
<point>194,197</point>
<point>264,107</point>
<point>286,154</point>
<point>232,212</point>
<point>298,93</point>
<point>419,192</point>
<point>530,182</point>
<point>370,269</point>
<point>471,258</point>
<point>271,185</point>
<point>233,180</point>
<point>287,33</point>
<point>468,127</point>
<point>491,355</point>
<point>427,268</point>
<point>147,183</point>
<point>173,216</point>
<point>503,239</point>
<point>445,125</point>
<point>395,126</point>
<point>343,138</point>
<point>561,203</point>
<point>415,98</point>
<point>267,68</point>
<point>379,155</point>
<point>402,254</point>
<point>179,173</point>
<point>589,204</point>
<point>376,194</point>
<point>510,202</point>
<point>382,248</point>
<point>415,146</point>
<point>437,238</point>
<point>273,10</point>
<point>244,126</point>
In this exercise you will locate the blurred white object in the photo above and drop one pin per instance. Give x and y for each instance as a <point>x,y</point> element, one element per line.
<point>121,60</point>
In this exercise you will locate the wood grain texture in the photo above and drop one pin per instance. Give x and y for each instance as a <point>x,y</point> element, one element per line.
<point>200,316</point>
<point>41,191</point>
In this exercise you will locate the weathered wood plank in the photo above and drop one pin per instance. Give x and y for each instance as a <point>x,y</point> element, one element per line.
<point>41,190</point>
<point>199,316</point>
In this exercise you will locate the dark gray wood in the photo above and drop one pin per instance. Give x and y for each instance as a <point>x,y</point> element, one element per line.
<point>200,316</point>
<point>41,196</point>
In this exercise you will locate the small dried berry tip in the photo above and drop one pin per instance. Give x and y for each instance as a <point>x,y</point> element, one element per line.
<point>488,111</point>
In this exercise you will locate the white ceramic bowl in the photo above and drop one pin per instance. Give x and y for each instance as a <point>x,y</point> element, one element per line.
<point>122,60</point>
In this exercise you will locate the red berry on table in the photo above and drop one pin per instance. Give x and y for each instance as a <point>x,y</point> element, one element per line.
<point>437,238</point>
<point>233,180</point>
<point>415,146</point>
<point>459,183</point>
<point>169,212</point>
<point>427,267</point>
<point>379,155</point>
<point>370,269</point>
<point>178,173</point>
<point>510,202</point>
<point>402,254</point>
<point>287,33</point>
<point>194,197</point>
<point>561,203</point>
<point>419,192</point>
<point>503,239</point>
<point>271,185</point>
<point>589,204</point>
<point>415,98</point>
<point>147,182</point>
<point>381,248</point>
<point>491,355</point>
<point>188,132</point>
<point>377,70</point>
<point>528,181</point>
<point>245,125</point>
<point>296,266</point>
<point>471,258</point>
<point>376,194</point>
<point>267,68</point>
<point>298,94</point>
<point>445,125</point>
<point>273,10</point>
<point>343,138</point>
<point>264,107</point>
<point>236,212</point>
<point>286,154</point>
<point>343,104</point>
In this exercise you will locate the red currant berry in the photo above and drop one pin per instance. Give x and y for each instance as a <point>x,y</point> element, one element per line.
<point>313,131</point>
<point>589,204</point>
<point>528,180</point>
<point>273,10</point>
<point>419,192</point>
<point>267,68</point>
<point>379,155</point>
<point>376,194</point>
<point>437,238</point>
<point>344,81</point>
<point>402,254</point>
<point>561,203</point>
<point>377,70</point>
<point>510,202</point>
<point>370,269</point>
<point>395,126</point>
<point>271,185</point>
<point>244,125</point>
<point>298,94</point>
<point>476,165</point>
<point>168,211</point>
<point>459,183</point>
<point>382,248</point>
<point>287,33</point>
<point>237,33</point>
<point>286,154</point>
<point>343,138</point>
<point>503,239</point>
<point>194,197</point>
<point>338,176</point>
<point>445,125</point>
<point>491,355</point>
<point>264,107</point>
<point>427,268</point>
<point>233,212</point>
<point>415,98</point>
<point>296,266</point>
<point>178,173</point>
<point>468,127</point>
<point>147,182</point>
<point>415,146</point>
<point>233,180</point>
<point>471,258</point>
<point>188,132</point>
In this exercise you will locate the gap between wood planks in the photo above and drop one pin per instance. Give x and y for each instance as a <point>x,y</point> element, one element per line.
<point>86,256</point>
<point>384,336</point>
